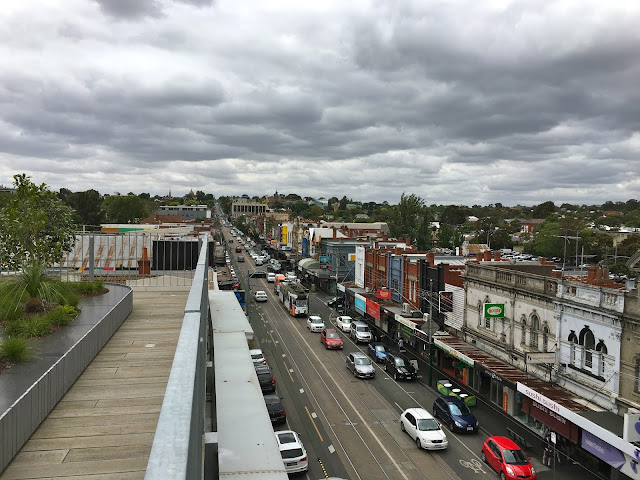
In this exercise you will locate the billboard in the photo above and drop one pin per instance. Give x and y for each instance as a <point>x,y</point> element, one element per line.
<point>283,238</point>
<point>494,310</point>
<point>325,261</point>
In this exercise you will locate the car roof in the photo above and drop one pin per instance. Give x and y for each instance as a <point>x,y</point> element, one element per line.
<point>261,291</point>
<point>287,439</point>
<point>255,351</point>
<point>451,399</point>
<point>505,442</point>
<point>262,368</point>
<point>270,399</point>
<point>418,412</point>
<point>315,317</point>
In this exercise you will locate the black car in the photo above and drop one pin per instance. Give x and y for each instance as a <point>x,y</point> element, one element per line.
<point>399,367</point>
<point>258,274</point>
<point>453,412</point>
<point>267,382</point>
<point>275,408</point>
<point>336,302</point>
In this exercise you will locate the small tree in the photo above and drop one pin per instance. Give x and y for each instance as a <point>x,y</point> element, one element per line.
<point>35,226</point>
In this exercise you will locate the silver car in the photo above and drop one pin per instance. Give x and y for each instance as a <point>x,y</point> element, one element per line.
<point>360,365</point>
<point>315,323</point>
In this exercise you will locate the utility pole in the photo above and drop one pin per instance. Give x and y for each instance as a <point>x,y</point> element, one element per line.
<point>430,337</point>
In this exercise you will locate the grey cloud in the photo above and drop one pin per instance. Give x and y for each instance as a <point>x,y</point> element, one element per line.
<point>130,9</point>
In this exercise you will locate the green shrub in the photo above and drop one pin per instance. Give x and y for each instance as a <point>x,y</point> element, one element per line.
<point>15,349</point>
<point>61,315</point>
<point>14,328</point>
<point>37,326</point>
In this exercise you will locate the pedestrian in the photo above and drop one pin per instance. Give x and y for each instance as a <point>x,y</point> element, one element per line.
<point>401,345</point>
<point>547,454</point>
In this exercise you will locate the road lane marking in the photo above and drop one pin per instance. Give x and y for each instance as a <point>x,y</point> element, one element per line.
<point>331,449</point>
<point>314,424</point>
<point>288,371</point>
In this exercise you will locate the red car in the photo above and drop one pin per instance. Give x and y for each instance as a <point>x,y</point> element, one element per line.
<point>331,338</point>
<point>506,458</point>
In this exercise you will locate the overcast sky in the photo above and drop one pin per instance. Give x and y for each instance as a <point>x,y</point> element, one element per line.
<point>460,102</point>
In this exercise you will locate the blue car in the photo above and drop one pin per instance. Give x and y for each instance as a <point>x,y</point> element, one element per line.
<point>377,351</point>
<point>454,413</point>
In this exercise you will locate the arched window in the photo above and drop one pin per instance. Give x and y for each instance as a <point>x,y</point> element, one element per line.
<point>601,347</point>
<point>535,327</point>
<point>573,339</point>
<point>589,342</point>
<point>523,320</point>
<point>545,336</point>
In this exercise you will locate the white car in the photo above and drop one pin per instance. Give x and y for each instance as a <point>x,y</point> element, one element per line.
<point>344,323</point>
<point>260,296</point>
<point>257,356</point>
<point>292,451</point>
<point>424,429</point>
<point>315,323</point>
<point>271,277</point>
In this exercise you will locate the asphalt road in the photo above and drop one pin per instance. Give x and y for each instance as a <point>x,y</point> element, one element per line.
<point>350,427</point>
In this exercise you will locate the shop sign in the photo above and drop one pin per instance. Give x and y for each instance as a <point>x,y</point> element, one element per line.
<point>360,303</point>
<point>540,357</point>
<point>383,293</point>
<point>544,401</point>
<point>494,310</point>
<point>406,331</point>
<point>325,261</point>
<point>373,309</point>
<point>603,450</point>
<point>631,429</point>
<point>453,352</point>
<point>340,287</point>
<point>552,420</point>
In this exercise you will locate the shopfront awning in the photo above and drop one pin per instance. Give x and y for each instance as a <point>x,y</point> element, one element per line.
<point>308,263</point>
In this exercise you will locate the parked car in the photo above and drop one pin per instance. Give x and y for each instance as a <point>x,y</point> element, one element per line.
<point>260,296</point>
<point>292,450</point>
<point>377,351</point>
<point>344,323</point>
<point>359,332</point>
<point>257,356</point>
<point>423,429</point>
<point>335,302</point>
<point>399,367</point>
<point>265,378</point>
<point>271,277</point>
<point>454,413</point>
<point>360,365</point>
<point>275,408</point>
<point>331,339</point>
<point>258,274</point>
<point>315,323</point>
<point>506,458</point>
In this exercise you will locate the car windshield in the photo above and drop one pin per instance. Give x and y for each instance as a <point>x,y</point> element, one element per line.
<point>362,329</point>
<point>256,356</point>
<point>399,362</point>
<point>427,424</point>
<point>264,377</point>
<point>459,409</point>
<point>333,335</point>
<point>380,348</point>
<point>514,457</point>
<point>315,320</point>
<point>363,361</point>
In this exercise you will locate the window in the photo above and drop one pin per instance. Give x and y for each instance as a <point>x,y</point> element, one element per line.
<point>535,327</point>
<point>523,320</point>
<point>545,337</point>
<point>589,342</point>
<point>573,339</point>
<point>636,380</point>
<point>601,347</point>
<point>479,313</point>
